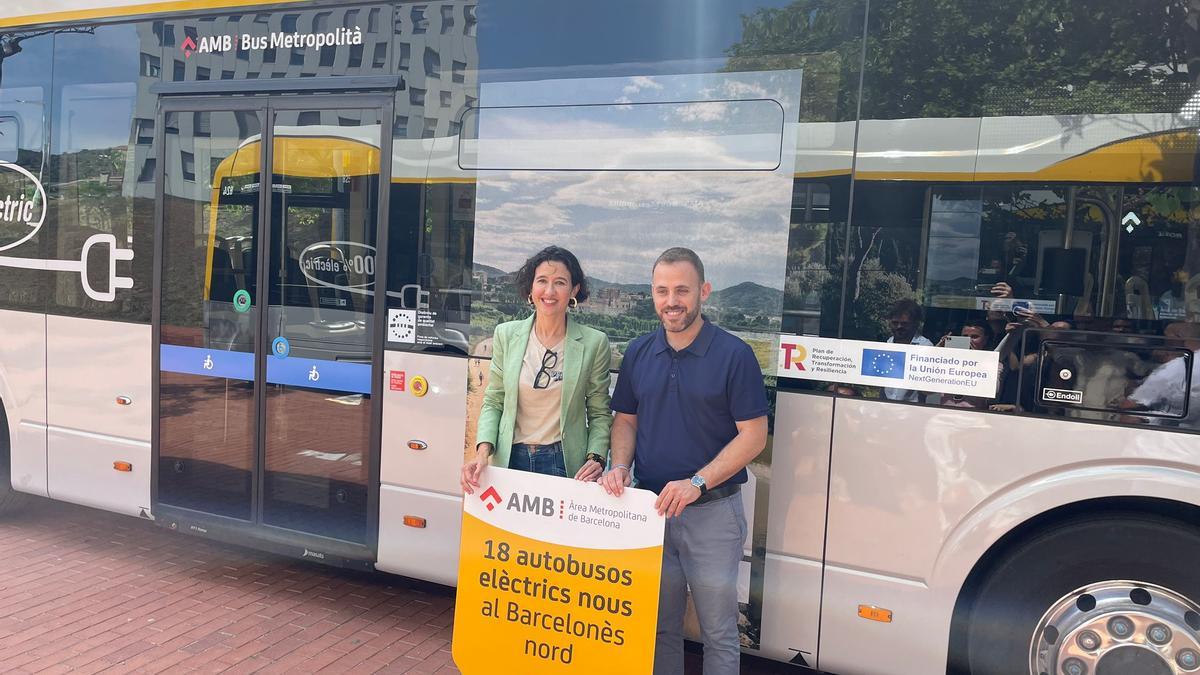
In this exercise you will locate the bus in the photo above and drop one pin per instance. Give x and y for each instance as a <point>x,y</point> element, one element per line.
<point>963,239</point>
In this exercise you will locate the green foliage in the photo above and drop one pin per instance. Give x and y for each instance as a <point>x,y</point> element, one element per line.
<point>972,58</point>
<point>866,316</point>
<point>622,327</point>
<point>819,37</point>
<point>748,298</point>
<point>643,309</point>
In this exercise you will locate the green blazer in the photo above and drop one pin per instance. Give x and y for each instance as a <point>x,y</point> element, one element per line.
<point>585,420</point>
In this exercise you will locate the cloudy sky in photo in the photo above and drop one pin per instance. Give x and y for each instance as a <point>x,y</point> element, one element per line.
<point>538,140</point>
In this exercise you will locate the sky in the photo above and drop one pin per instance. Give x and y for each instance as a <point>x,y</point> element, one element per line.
<point>734,213</point>
<point>612,32</point>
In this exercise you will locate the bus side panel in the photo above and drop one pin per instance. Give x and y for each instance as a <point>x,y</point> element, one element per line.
<point>913,509</point>
<point>421,455</point>
<point>799,483</point>
<point>430,552</point>
<point>914,643</point>
<point>791,609</point>
<point>23,388</point>
<point>90,365</point>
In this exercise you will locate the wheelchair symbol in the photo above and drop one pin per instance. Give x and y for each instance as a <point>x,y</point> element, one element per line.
<point>313,375</point>
<point>208,362</point>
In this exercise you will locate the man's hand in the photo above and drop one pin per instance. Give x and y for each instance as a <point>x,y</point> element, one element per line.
<point>616,480</point>
<point>675,496</point>
<point>1002,290</point>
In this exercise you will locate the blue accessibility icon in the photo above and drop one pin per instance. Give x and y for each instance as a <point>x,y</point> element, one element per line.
<point>281,347</point>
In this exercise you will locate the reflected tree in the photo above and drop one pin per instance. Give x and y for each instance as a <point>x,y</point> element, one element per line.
<point>950,58</point>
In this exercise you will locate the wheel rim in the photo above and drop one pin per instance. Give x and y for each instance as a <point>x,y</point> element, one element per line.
<point>1111,627</point>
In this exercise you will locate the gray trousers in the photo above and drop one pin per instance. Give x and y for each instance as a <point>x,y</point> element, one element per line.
<point>701,550</point>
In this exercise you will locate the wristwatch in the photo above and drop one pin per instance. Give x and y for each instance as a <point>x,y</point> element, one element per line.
<point>595,457</point>
<point>698,482</point>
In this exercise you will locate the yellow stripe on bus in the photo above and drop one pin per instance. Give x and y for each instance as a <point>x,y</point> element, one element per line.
<point>113,12</point>
<point>1165,157</point>
<point>304,157</point>
<point>471,180</point>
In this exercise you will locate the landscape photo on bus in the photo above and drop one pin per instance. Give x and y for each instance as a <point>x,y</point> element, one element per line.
<point>962,239</point>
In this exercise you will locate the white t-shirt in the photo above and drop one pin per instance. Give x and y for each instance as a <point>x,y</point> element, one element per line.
<point>1161,390</point>
<point>539,394</point>
<point>906,394</point>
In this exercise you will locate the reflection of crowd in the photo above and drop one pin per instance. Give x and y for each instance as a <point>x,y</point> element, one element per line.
<point>1161,392</point>
<point>905,321</point>
<point>1124,369</point>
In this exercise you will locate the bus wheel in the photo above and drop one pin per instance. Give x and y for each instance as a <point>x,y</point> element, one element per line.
<point>1107,595</point>
<point>10,499</point>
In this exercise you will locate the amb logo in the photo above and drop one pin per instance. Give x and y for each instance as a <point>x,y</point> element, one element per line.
<point>209,44</point>
<point>522,503</point>
<point>542,506</point>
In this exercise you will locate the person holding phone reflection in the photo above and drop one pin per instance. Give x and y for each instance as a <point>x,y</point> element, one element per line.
<point>545,408</point>
<point>975,334</point>
<point>1018,372</point>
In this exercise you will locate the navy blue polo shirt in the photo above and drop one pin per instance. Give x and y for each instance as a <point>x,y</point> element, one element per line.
<point>687,402</point>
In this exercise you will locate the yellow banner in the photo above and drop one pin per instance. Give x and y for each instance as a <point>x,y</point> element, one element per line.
<point>555,576</point>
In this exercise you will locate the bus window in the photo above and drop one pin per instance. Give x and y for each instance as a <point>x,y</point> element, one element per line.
<point>1013,267</point>
<point>24,98</point>
<point>10,138</point>
<point>1146,380</point>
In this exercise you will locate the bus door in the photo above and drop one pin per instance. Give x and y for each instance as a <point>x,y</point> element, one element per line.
<point>267,421</point>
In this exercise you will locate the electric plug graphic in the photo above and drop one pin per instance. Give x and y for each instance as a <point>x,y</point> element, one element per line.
<point>116,254</point>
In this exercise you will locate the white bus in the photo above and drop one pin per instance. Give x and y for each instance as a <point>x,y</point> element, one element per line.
<point>188,340</point>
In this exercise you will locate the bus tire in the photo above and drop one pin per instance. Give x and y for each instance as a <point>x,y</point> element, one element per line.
<point>1068,586</point>
<point>10,499</point>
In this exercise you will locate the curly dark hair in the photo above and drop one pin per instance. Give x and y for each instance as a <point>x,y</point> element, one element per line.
<point>909,307</point>
<point>557,254</point>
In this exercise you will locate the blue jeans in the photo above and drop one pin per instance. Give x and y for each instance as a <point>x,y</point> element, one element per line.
<point>702,549</point>
<point>546,459</point>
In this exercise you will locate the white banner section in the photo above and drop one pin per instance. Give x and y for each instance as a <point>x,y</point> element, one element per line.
<point>967,372</point>
<point>565,511</point>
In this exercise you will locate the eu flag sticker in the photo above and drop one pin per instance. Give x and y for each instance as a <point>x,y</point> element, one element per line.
<point>883,363</point>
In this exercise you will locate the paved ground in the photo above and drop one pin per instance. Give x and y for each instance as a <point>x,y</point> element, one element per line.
<point>85,591</point>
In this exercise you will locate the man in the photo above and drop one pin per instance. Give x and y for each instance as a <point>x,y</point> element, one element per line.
<point>691,413</point>
<point>905,319</point>
<point>1163,390</point>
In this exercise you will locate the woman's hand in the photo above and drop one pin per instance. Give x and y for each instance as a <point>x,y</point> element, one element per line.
<point>1031,318</point>
<point>1002,290</point>
<point>472,470</point>
<point>590,471</point>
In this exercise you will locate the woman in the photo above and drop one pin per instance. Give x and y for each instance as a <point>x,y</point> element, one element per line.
<point>979,332</point>
<point>545,408</point>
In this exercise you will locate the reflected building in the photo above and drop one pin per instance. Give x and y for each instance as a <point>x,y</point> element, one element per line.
<point>432,48</point>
